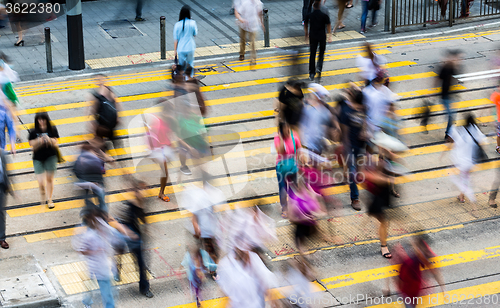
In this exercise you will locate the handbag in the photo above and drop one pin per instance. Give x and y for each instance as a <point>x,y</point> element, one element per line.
<point>374,5</point>
<point>60,158</point>
<point>480,155</point>
<point>288,166</point>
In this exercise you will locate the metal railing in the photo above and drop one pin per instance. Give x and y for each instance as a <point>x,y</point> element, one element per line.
<point>423,12</point>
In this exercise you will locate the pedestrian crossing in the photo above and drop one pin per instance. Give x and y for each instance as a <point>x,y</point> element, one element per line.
<point>255,127</point>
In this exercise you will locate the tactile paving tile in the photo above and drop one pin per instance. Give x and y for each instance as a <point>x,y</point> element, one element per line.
<point>403,220</point>
<point>74,277</point>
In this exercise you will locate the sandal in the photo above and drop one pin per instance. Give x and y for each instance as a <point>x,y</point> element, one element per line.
<point>461,200</point>
<point>386,255</point>
<point>492,203</point>
<point>349,5</point>
<point>284,215</point>
<point>51,205</point>
<point>164,198</point>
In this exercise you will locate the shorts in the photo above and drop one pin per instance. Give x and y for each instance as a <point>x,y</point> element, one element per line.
<point>498,129</point>
<point>49,165</point>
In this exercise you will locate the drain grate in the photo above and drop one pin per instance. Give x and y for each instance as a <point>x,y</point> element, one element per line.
<point>120,28</point>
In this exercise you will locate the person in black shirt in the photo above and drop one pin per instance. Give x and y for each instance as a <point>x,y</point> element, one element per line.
<point>316,33</point>
<point>352,119</point>
<point>43,139</point>
<point>445,79</point>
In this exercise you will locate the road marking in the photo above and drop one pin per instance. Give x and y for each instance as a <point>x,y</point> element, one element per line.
<point>490,76</point>
<point>225,181</point>
<point>160,75</point>
<point>392,271</point>
<point>477,73</point>
<point>135,112</point>
<point>457,296</point>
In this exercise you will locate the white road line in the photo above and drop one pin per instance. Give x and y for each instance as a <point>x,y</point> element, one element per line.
<point>477,73</point>
<point>479,77</point>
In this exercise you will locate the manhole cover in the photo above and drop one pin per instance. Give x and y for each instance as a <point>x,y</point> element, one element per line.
<point>120,28</point>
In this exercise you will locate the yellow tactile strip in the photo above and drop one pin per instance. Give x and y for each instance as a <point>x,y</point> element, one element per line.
<point>74,277</point>
<point>361,228</point>
<point>210,51</point>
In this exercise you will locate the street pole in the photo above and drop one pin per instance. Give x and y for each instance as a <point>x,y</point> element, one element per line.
<point>76,54</point>
<point>48,50</point>
<point>266,28</point>
<point>387,20</point>
<point>163,45</point>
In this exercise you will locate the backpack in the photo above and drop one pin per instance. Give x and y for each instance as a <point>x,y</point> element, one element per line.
<point>87,166</point>
<point>107,114</point>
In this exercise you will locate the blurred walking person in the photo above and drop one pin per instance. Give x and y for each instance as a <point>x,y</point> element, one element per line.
<point>287,146</point>
<point>317,27</point>
<point>7,124</point>
<point>184,32</point>
<point>466,152</point>
<point>414,260</point>
<point>379,184</point>
<point>445,80</point>
<point>245,279</point>
<point>138,10</point>
<point>88,169</point>
<point>96,245</point>
<point>5,188</point>
<point>104,108</point>
<point>495,98</point>
<point>43,140</point>
<point>371,65</point>
<point>249,17</point>
<point>342,4</point>
<point>353,125</point>
<point>133,218</point>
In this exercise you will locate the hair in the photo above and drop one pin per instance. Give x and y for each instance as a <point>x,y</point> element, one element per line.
<point>184,13</point>
<point>470,120</point>
<point>281,128</point>
<point>317,4</point>
<point>88,147</point>
<point>4,57</point>
<point>295,83</point>
<point>44,116</point>
<point>102,131</point>
<point>89,215</point>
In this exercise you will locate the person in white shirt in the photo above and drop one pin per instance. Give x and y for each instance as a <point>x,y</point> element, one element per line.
<point>249,18</point>
<point>466,145</point>
<point>370,64</point>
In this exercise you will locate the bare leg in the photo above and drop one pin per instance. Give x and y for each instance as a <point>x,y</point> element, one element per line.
<point>41,186</point>
<point>50,187</point>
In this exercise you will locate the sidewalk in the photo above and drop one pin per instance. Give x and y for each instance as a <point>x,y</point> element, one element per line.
<point>126,38</point>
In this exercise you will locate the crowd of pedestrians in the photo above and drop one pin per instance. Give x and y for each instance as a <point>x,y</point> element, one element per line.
<point>361,122</point>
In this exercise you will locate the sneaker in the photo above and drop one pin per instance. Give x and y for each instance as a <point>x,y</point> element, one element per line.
<point>148,294</point>
<point>362,31</point>
<point>311,77</point>
<point>185,170</point>
<point>374,25</point>
<point>140,19</point>
<point>356,204</point>
<point>117,278</point>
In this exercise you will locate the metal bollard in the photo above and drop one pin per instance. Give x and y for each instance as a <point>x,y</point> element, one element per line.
<point>163,41</point>
<point>48,50</point>
<point>387,19</point>
<point>393,17</point>
<point>266,28</point>
<point>451,8</point>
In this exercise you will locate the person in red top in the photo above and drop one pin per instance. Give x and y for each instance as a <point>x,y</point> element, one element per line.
<point>495,98</point>
<point>287,144</point>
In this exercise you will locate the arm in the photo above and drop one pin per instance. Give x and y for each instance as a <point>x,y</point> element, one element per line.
<point>261,19</point>
<point>196,226</point>
<point>238,16</point>
<point>306,33</point>
<point>12,133</point>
